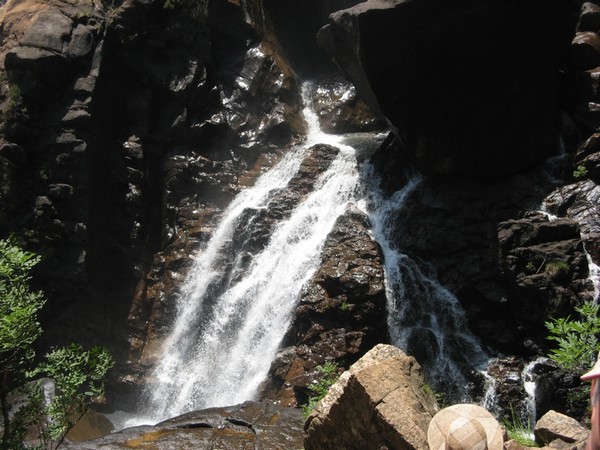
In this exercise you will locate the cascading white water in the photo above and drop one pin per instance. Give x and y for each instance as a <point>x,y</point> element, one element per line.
<point>221,346</point>
<point>594,270</point>
<point>424,318</point>
<point>228,328</point>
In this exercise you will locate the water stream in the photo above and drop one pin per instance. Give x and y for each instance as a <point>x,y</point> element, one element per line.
<point>424,318</point>
<point>227,331</point>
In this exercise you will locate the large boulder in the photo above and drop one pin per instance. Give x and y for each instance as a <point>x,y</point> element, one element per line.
<point>554,428</point>
<point>471,86</point>
<point>378,403</point>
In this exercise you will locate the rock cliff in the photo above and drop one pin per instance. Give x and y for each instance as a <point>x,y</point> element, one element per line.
<point>461,75</point>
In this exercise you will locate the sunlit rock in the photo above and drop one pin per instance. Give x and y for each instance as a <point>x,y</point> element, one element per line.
<point>379,402</point>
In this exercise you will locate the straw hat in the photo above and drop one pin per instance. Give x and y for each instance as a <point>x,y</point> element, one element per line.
<point>594,372</point>
<point>465,427</point>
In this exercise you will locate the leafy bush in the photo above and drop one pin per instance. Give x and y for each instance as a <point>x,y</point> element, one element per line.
<point>78,378</point>
<point>329,375</point>
<point>580,171</point>
<point>14,111</point>
<point>78,375</point>
<point>577,339</point>
<point>19,326</point>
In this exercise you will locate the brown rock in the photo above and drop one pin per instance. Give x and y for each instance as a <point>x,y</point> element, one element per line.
<point>91,425</point>
<point>341,313</point>
<point>589,18</point>
<point>554,425</point>
<point>585,51</point>
<point>377,403</point>
<point>250,425</point>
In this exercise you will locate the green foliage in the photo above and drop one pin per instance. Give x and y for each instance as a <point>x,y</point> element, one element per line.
<point>557,268</point>
<point>19,326</point>
<point>14,110</point>
<point>577,339</point>
<point>519,431</point>
<point>580,171</point>
<point>329,375</point>
<point>19,306</point>
<point>78,377</point>
<point>344,306</point>
<point>530,268</point>
<point>77,374</point>
<point>440,397</point>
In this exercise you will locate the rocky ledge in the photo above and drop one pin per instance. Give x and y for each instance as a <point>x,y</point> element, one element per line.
<point>250,425</point>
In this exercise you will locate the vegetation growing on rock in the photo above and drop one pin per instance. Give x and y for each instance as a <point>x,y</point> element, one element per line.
<point>77,375</point>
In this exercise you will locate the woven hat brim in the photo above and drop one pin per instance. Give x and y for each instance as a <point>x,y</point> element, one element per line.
<point>438,427</point>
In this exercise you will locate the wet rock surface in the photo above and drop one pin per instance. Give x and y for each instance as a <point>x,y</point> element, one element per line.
<point>250,425</point>
<point>340,110</point>
<point>341,313</point>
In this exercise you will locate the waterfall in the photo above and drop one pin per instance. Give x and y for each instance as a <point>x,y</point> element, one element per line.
<point>424,318</point>
<point>229,323</point>
<point>594,276</point>
<point>237,303</point>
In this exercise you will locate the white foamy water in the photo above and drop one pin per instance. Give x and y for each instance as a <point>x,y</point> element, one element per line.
<point>222,345</point>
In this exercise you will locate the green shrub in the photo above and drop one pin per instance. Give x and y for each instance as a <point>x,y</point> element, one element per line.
<point>78,375</point>
<point>530,268</point>
<point>328,376</point>
<point>345,306</point>
<point>580,172</point>
<point>557,268</point>
<point>14,111</point>
<point>577,339</point>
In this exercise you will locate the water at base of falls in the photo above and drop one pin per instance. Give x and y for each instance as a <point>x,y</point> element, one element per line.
<point>229,323</point>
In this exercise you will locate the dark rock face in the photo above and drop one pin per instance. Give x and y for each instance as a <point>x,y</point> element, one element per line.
<point>427,65</point>
<point>545,266</point>
<point>465,229</point>
<point>129,130</point>
<point>341,314</point>
<point>298,36</point>
<point>250,425</point>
